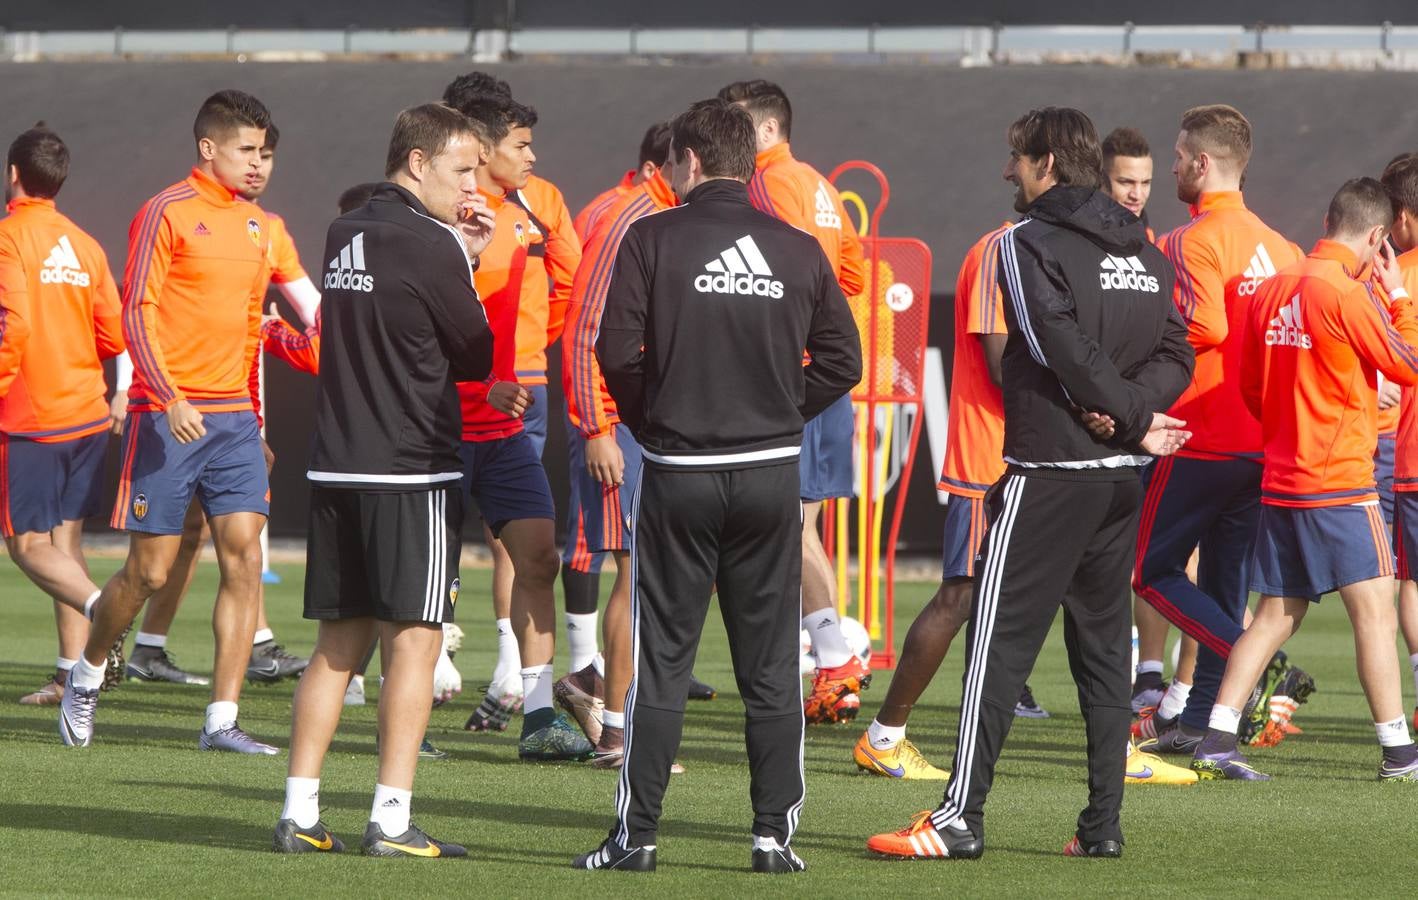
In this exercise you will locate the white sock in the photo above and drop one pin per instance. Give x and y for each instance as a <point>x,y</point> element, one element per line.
<point>391,809</point>
<point>1149,665</point>
<point>302,801</point>
<point>1413,661</point>
<point>1225,718</point>
<point>536,688</point>
<point>86,675</point>
<point>613,719</point>
<point>90,603</point>
<point>763,842</point>
<point>825,632</point>
<point>581,639</point>
<point>599,662</point>
<point>150,640</point>
<point>1175,700</point>
<point>63,664</point>
<point>1393,734</point>
<point>884,737</point>
<point>509,658</point>
<point>220,714</point>
<point>262,636</point>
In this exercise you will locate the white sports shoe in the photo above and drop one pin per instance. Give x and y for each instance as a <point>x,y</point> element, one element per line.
<point>447,680</point>
<point>354,694</point>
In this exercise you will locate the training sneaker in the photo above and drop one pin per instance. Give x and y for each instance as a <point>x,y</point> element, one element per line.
<point>1098,850</point>
<point>76,714</point>
<point>354,693</point>
<point>772,858</point>
<point>291,838</point>
<point>1147,691</point>
<point>581,694</point>
<point>233,740</point>
<point>558,740</point>
<point>428,751</point>
<point>901,761</point>
<point>832,686</point>
<point>113,671</point>
<point>49,694</point>
<point>495,711</point>
<point>610,751</point>
<point>1294,688</point>
<point>411,843</point>
<point>155,664</point>
<point>1230,765</point>
<point>698,690</point>
<point>271,663</point>
<point>611,855</point>
<point>1391,771</point>
<point>1149,726</point>
<point>1176,741</point>
<point>1026,708</point>
<point>1144,768</point>
<point>923,840</point>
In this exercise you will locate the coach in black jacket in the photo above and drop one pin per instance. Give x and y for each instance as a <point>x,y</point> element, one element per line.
<point>1093,338</point>
<point>401,322</point>
<point>709,309</point>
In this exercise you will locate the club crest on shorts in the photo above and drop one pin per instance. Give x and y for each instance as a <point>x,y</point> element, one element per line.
<point>453,591</point>
<point>253,231</point>
<point>140,506</point>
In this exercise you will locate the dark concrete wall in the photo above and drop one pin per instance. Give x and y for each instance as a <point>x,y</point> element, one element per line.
<point>937,132</point>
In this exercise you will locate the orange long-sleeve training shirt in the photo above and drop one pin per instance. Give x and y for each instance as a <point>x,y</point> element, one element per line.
<point>793,191</point>
<point>498,280</point>
<point>1405,461</point>
<point>1315,339</point>
<point>1222,256</point>
<point>59,319</point>
<point>975,446</point>
<point>590,214</point>
<point>588,403</point>
<point>553,253</point>
<point>194,282</point>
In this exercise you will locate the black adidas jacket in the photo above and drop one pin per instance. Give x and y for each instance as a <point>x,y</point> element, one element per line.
<point>1092,326</point>
<point>709,309</point>
<point>400,323</point>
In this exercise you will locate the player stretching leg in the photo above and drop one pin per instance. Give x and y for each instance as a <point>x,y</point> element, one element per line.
<point>1313,333</point>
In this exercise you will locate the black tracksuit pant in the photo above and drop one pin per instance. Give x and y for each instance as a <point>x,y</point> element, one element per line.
<point>1056,537</point>
<point>742,530</point>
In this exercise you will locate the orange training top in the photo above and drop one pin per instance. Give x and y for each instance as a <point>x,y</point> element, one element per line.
<point>1315,339</point>
<point>975,443</point>
<point>1405,460</point>
<point>794,192</point>
<point>192,293</point>
<point>298,349</point>
<point>590,214</point>
<point>1222,256</point>
<point>499,284</point>
<point>284,261</point>
<point>553,253</point>
<point>588,403</point>
<point>59,318</point>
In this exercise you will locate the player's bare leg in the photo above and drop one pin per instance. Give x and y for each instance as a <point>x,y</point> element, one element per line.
<point>840,675</point>
<point>55,563</point>
<point>1148,684</point>
<point>340,649</point>
<point>504,690</point>
<point>150,660</point>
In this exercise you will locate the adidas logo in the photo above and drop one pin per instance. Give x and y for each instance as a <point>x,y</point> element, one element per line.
<point>1126,274</point>
<point>345,270</point>
<point>1288,328</point>
<point>62,266</point>
<point>202,230</point>
<point>826,210</point>
<point>741,269</point>
<point>1259,270</point>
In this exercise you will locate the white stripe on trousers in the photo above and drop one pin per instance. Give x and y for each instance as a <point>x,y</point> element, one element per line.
<point>622,792</point>
<point>957,792</point>
<point>437,556</point>
<point>796,810</point>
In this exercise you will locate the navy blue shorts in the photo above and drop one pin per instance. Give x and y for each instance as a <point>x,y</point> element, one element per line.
<point>604,510</point>
<point>534,420</point>
<point>1383,473</point>
<point>1310,552</point>
<point>1405,532</point>
<point>506,479</point>
<point>964,529</point>
<point>46,484</point>
<point>224,468</point>
<point>825,464</point>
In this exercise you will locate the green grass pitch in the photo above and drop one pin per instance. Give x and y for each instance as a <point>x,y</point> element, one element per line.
<point>142,813</point>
